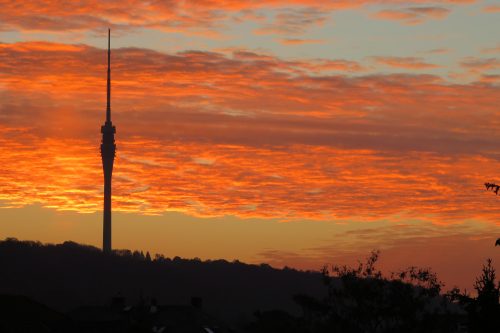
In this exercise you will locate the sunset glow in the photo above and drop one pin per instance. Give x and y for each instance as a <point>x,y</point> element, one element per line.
<point>297,132</point>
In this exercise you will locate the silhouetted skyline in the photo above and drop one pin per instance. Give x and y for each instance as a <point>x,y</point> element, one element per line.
<point>92,291</point>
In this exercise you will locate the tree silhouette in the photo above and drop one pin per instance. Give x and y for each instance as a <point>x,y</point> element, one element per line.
<point>485,317</point>
<point>484,309</point>
<point>492,186</point>
<point>361,299</point>
<point>407,301</point>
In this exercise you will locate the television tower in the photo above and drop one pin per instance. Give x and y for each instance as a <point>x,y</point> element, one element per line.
<point>108,149</point>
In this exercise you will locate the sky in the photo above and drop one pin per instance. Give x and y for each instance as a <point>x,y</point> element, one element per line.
<point>296,133</point>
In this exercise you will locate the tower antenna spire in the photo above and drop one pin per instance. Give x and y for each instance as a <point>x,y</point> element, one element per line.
<point>108,108</point>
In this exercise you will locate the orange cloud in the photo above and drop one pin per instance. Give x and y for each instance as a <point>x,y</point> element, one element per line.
<point>296,182</point>
<point>493,78</point>
<point>249,135</point>
<point>405,62</point>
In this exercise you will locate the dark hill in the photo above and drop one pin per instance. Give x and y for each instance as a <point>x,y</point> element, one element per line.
<point>68,275</point>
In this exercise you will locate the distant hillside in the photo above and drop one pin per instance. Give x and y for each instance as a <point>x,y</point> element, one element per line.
<point>67,275</point>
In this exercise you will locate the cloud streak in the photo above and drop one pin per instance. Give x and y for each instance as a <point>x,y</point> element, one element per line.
<point>296,41</point>
<point>294,21</point>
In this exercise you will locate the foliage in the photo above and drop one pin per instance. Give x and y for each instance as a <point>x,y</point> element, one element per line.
<point>361,299</point>
<point>485,310</point>
<point>366,301</point>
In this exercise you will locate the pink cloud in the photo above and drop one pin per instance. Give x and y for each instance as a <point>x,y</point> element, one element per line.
<point>439,51</point>
<point>492,9</point>
<point>491,50</point>
<point>294,21</point>
<point>476,64</point>
<point>413,15</point>
<point>405,62</point>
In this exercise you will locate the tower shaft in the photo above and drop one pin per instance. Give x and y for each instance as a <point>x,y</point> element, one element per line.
<point>106,230</point>
<point>108,149</point>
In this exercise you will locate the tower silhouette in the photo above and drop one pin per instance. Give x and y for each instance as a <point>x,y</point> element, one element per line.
<point>108,149</point>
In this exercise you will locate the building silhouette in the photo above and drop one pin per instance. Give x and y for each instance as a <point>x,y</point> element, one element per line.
<point>108,149</point>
